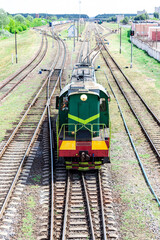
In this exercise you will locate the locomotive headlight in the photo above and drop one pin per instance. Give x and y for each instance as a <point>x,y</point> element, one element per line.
<point>83,97</point>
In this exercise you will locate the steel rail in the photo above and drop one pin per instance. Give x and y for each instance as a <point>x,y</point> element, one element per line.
<point>102,208</point>
<point>52,171</point>
<point>66,209</point>
<point>24,67</point>
<point>136,116</point>
<point>51,138</point>
<point>129,104</point>
<point>25,114</point>
<point>44,53</point>
<point>29,148</point>
<point>53,66</point>
<point>79,58</point>
<point>94,49</point>
<point>134,148</point>
<point>88,208</point>
<point>148,108</point>
<point>21,165</point>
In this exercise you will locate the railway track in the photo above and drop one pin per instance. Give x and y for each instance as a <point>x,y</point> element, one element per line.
<point>148,121</point>
<point>81,204</point>
<point>12,82</point>
<point>83,207</point>
<point>16,150</point>
<point>84,216</point>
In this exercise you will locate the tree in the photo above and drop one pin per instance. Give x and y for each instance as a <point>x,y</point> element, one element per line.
<point>143,16</point>
<point>156,15</point>
<point>125,20</point>
<point>11,27</point>
<point>4,20</point>
<point>29,18</point>
<point>20,18</point>
<point>54,18</point>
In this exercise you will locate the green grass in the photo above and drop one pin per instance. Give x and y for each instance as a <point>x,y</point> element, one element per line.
<point>111,25</point>
<point>145,156</point>
<point>37,178</point>
<point>133,192</point>
<point>28,220</point>
<point>28,44</point>
<point>10,110</point>
<point>141,60</point>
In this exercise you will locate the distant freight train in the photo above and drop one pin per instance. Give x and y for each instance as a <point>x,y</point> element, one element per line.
<point>54,23</point>
<point>83,122</point>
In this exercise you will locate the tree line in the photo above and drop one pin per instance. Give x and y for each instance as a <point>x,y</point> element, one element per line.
<point>113,18</point>
<point>18,23</point>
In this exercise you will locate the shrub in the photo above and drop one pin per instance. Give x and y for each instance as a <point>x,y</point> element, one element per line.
<point>5,33</point>
<point>20,29</point>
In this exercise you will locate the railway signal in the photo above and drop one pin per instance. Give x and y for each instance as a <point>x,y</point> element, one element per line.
<point>131,34</point>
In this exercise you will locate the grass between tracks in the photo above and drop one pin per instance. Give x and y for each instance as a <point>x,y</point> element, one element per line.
<point>141,60</point>
<point>14,104</point>
<point>28,44</point>
<point>145,72</point>
<point>11,108</point>
<point>137,211</point>
<point>28,220</point>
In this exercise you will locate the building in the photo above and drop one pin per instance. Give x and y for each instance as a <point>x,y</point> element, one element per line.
<point>141,29</point>
<point>72,31</point>
<point>154,33</point>
<point>151,16</point>
<point>141,12</point>
<point>119,18</point>
<point>157,9</point>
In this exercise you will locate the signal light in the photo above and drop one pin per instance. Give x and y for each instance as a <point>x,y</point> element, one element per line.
<point>132,33</point>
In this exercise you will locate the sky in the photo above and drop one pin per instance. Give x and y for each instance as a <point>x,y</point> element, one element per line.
<point>89,7</point>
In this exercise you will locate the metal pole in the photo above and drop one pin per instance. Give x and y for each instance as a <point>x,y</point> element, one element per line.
<point>74,36</point>
<point>79,17</point>
<point>131,51</point>
<point>77,30</point>
<point>16,47</point>
<point>120,41</point>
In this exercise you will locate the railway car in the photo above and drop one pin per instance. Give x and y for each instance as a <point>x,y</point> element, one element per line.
<point>82,125</point>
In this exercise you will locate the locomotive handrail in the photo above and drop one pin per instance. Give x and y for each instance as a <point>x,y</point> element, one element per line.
<point>76,129</point>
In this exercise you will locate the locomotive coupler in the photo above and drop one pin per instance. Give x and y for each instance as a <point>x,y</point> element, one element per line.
<point>84,156</point>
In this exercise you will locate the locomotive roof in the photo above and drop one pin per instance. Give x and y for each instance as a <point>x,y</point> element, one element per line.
<point>83,80</point>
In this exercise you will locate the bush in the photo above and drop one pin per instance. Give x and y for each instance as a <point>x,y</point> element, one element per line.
<point>20,29</point>
<point>19,23</point>
<point>24,27</point>
<point>5,33</point>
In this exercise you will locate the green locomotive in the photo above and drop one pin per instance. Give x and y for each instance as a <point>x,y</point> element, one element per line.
<point>83,122</point>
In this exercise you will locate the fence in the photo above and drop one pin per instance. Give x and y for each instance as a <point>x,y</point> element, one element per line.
<point>146,47</point>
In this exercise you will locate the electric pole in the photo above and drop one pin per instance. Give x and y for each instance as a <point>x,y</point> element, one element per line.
<point>74,40</point>
<point>16,46</point>
<point>79,30</point>
<point>120,41</point>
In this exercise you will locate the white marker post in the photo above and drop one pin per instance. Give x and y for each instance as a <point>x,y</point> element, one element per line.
<point>52,36</point>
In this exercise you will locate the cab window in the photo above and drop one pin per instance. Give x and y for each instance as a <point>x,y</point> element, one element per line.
<point>103,106</point>
<point>64,104</point>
